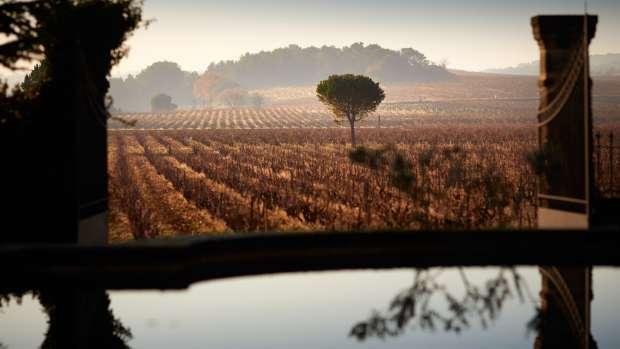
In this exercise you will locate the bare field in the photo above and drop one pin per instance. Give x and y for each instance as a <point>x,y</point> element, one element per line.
<point>395,115</point>
<point>287,168</point>
<point>177,182</point>
<point>472,99</point>
<point>401,115</point>
<point>166,183</point>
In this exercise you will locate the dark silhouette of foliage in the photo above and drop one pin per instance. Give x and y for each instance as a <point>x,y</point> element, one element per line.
<point>35,79</point>
<point>350,98</point>
<point>16,24</point>
<point>414,306</point>
<point>7,296</point>
<point>81,40</point>
<point>76,318</point>
<point>33,26</point>
<point>294,65</point>
<point>97,328</point>
<point>99,26</point>
<point>547,327</point>
<point>162,102</point>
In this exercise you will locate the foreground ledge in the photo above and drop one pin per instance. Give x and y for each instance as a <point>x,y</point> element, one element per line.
<point>177,263</point>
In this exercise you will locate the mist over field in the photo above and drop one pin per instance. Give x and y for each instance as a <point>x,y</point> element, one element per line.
<point>283,67</point>
<point>600,65</point>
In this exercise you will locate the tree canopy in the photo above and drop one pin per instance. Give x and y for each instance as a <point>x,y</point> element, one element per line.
<point>35,79</point>
<point>78,42</point>
<point>162,102</point>
<point>134,93</point>
<point>286,66</point>
<point>294,65</point>
<point>209,85</point>
<point>350,97</point>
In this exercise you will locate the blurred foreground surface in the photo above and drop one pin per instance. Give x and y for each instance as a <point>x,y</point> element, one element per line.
<point>398,308</point>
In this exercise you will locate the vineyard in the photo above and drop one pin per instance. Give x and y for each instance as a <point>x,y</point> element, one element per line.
<point>166,183</point>
<point>288,167</point>
<point>397,115</point>
<point>389,115</point>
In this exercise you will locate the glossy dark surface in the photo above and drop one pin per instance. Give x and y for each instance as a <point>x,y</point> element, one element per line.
<point>391,308</point>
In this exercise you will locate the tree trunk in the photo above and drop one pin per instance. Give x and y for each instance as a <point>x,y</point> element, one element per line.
<point>352,133</point>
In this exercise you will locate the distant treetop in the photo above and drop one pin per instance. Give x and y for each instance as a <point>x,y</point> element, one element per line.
<point>294,65</point>
<point>162,103</point>
<point>135,92</point>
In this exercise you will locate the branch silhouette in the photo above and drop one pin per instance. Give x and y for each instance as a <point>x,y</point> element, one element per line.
<point>76,318</point>
<point>413,306</point>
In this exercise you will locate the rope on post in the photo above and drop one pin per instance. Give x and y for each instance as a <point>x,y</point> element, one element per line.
<point>552,109</point>
<point>567,303</point>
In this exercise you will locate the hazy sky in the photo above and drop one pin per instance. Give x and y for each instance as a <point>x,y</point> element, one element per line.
<point>471,35</point>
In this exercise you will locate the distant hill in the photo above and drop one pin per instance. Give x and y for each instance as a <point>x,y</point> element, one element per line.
<point>134,93</point>
<point>600,65</point>
<point>282,67</point>
<point>296,66</point>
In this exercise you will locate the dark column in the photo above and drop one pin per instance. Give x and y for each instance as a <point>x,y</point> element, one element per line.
<point>78,206</point>
<point>564,318</point>
<point>81,318</point>
<point>91,159</point>
<point>565,123</point>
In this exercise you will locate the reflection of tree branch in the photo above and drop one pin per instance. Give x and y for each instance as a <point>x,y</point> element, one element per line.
<point>536,323</point>
<point>81,317</point>
<point>5,299</point>
<point>76,318</point>
<point>414,303</point>
<point>17,295</point>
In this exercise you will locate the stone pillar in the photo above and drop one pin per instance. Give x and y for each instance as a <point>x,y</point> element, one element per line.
<point>564,121</point>
<point>564,314</point>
